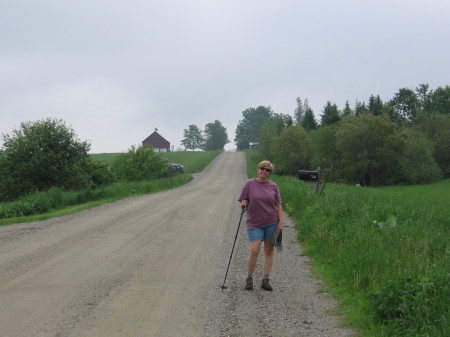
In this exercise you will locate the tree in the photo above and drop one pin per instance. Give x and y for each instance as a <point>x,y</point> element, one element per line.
<point>291,150</point>
<point>193,138</point>
<point>299,111</point>
<point>437,129</point>
<point>424,94</point>
<point>309,120</point>
<point>369,147</point>
<point>324,151</point>
<point>40,155</point>
<point>215,136</point>
<point>270,131</point>
<point>330,114</point>
<point>138,164</point>
<point>360,108</point>
<point>405,105</point>
<point>249,128</point>
<point>347,110</point>
<point>375,105</point>
<point>440,101</point>
<point>417,164</point>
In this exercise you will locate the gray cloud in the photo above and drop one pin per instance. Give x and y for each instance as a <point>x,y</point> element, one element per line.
<point>115,70</point>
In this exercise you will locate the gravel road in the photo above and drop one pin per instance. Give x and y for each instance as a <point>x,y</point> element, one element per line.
<point>152,266</point>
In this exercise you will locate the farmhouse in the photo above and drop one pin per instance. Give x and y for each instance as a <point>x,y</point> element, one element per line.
<point>158,142</point>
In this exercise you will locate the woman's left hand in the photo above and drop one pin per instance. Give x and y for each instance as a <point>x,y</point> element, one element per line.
<point>280,226</point>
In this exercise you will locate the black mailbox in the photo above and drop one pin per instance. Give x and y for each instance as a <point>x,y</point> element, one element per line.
<point>308,175</point>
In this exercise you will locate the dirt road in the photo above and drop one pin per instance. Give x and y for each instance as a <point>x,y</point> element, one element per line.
<point>152,266</point>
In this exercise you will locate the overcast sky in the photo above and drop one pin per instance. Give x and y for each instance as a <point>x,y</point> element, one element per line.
<point>116,70</point>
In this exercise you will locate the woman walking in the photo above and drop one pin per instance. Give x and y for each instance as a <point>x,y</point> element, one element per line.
<point>264,216</point>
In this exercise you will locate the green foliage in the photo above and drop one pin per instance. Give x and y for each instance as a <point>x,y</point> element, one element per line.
<point>330,114</point>
<point>291,150</point>
<point>439,101</point>
<point>309,121</point>
<point>138,164</point>
<point>193,138</point>
<point>405,105</point>
<point>249,128</point>
<point>325,154</point>
<point>369,147</point>
<point>437,129</point>
<point>413,307</point>
<point>99,173</point>
<point>215,136</point>
<point>386,251</point>
<point>417,164</point>
<point>41,155</point>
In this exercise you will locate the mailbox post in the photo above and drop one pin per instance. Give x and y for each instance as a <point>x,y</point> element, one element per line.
<point>310,177</point>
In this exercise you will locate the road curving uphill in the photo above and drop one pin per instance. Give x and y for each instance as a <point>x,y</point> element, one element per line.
<point>153,266</point>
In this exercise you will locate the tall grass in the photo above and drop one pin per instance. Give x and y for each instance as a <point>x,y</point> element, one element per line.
<point>388,249</point>
<point>384,251</point>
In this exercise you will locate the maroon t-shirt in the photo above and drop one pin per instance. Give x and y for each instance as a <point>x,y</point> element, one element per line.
<point>263,198</point>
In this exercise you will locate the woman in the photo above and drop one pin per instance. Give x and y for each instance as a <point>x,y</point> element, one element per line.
<point>264,216</point>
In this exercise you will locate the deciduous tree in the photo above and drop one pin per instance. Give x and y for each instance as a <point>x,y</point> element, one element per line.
<point>40,155</point>
<point>249,128</point>
<point>369,147</point>
<point>216,136</point>
<point>292,150</point>
<point>193,138</point>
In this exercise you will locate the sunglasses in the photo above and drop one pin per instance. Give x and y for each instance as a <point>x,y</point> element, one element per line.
<point>265,169</point>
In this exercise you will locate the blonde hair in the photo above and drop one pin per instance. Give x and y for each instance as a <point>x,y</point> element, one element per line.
<point>266,163</point>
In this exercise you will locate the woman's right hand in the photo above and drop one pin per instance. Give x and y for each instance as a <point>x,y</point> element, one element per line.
<point>244,203</point>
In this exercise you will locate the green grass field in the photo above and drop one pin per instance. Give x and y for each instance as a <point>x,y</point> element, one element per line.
<point>193,161</point>
<point>384,252</point>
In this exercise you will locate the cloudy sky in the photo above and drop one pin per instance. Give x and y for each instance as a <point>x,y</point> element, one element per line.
<point>115,70</point>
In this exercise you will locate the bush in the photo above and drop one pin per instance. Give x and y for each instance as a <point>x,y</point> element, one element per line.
<point>138,164</point>
<point>41,155</point>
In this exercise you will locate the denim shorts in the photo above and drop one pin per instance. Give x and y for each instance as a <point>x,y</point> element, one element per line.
<point>261,233</point>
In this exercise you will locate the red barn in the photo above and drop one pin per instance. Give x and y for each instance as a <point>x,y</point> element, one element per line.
<point>158,142</point>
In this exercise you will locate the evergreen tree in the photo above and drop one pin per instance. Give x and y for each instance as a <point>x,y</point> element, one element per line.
<point>360,108</point>
<point>375,105</point>
<point>299,111</point>
<point>347,110</point>
<point>309,122</point>
<point>330,114</point>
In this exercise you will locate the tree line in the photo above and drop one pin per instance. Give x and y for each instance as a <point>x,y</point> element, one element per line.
<point>213,137</point>
<point>405,140</point>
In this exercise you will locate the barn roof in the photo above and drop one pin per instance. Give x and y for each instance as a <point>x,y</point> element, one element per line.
<point>157,141</point>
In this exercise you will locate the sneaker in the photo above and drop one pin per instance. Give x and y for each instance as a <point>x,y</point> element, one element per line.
<point>266,284</point>
<point>249,283</point>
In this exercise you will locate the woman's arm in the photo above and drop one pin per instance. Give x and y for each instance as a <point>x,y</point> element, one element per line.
<point>280,217</point>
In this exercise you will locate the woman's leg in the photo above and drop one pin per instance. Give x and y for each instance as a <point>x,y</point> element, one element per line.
<point>253,256</point>
<point>268,257</point>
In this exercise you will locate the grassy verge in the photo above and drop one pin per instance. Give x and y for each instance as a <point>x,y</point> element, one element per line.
<point>57,202</point>
<point>384,252</point>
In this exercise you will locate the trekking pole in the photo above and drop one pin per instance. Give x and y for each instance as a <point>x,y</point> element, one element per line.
<point>231,255</point>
